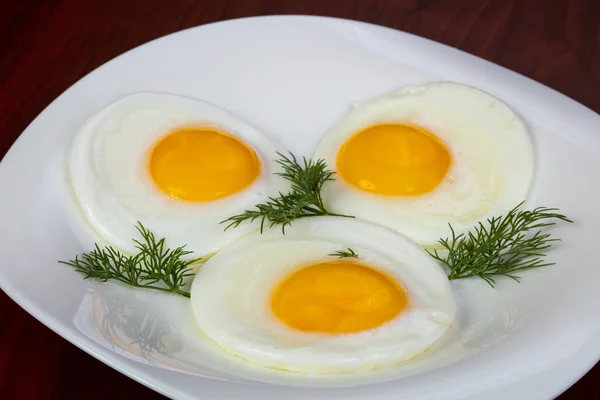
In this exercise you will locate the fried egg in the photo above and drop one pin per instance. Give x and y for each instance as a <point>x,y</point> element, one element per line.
<point>288,302</point>
<point>177,165</point>
<point>420,158</point>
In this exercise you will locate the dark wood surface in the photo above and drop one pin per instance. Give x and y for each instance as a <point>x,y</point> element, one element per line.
<point>47,45</point>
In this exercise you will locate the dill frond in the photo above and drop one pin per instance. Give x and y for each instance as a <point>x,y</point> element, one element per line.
<point>303,200</point>
<point>348,253</point>
<point>504,246</point>
<point>153,267</point>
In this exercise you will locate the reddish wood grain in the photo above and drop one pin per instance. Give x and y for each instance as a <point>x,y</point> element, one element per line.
<point>47,45</point>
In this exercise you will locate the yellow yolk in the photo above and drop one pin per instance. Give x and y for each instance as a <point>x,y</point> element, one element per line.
<point>202,164</point>
<point>337,297</point>
<point>394,160</point>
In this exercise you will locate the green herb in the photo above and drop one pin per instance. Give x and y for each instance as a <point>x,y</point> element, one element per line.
<point>348,253</point>
<point>303,200</point>
<point>503,247</point>
<point>153,267</point>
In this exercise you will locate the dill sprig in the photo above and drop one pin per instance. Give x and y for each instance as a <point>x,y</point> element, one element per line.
<point>303,200</point>
<point>504,246</point>
<point>153,267</point>
<point>348,253</point>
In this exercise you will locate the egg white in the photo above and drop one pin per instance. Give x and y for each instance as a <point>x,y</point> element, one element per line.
<point>492,160</point>
<point>108,170</point>
<point>231,297</point>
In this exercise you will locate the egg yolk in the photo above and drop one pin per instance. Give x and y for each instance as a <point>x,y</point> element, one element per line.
<point>337,297</point>
<point>202,164</point>
<point>394,160</point>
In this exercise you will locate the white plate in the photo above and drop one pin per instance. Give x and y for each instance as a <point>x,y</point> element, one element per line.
<point>293,77</point>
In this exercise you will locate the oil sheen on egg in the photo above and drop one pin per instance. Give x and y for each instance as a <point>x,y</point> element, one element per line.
<point>285,302</point>
<point>177,165</point>
<point>425,156</point>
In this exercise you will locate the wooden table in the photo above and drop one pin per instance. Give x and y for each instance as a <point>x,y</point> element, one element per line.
<point>45,46</point>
